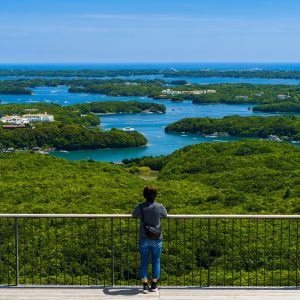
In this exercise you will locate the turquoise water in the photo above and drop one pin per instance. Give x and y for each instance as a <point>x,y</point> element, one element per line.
<point>152,126</point>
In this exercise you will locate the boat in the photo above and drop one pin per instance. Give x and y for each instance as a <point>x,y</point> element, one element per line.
<point>128,129</point>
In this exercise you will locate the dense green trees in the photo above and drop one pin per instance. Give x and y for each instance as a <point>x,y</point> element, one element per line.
<point>188,179</point>
<point>69,137</point>
<point>288,107</point>
<point>261,127</point>
<point>241,93</point>
<point>149,89</point>
<point>242,177</point>
<point>119,107</point>
<point>14,90</point>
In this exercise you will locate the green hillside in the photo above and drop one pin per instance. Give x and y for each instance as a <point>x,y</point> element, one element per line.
<point>242,177</point>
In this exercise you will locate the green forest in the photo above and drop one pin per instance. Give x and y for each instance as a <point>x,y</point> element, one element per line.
<point>69,137</point>
<point>282,107</point>
<point>119,107</point>
<point>241,93</point>
<point>245,177</point>
<point>287,127</point>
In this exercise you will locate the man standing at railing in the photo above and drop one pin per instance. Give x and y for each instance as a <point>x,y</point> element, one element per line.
<point>150,213</point>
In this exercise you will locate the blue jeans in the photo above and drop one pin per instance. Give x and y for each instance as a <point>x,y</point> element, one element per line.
<point>153,246</point>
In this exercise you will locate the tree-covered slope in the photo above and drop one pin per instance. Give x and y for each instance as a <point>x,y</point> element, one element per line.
<point>42,183</point>
<point>238,177</point>
<point>248,176</point>
<point>252,176</point>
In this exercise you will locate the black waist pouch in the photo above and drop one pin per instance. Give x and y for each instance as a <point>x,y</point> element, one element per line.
<point>152,233</point>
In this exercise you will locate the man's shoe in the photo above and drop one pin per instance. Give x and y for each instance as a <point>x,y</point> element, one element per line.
<point>145,288</point>
<point>153,287</point>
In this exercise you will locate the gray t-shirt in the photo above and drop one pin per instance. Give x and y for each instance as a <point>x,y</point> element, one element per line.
<point>153,212</point>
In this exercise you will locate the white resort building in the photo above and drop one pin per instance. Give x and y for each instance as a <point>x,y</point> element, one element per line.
<point>195,92</point>
<point>39,117</point>
<point>26,119</point>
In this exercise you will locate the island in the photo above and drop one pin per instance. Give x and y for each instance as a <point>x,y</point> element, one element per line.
<point>281,107</point>
<point>277,127</point>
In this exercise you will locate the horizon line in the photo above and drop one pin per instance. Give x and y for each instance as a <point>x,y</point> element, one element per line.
<point>157,62</point>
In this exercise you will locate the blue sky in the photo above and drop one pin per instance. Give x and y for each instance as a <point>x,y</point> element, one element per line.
<point>86,31</point>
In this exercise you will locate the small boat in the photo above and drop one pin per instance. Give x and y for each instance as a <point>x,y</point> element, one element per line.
<point>128,129</point>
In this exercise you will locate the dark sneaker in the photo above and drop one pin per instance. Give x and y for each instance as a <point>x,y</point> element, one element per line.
<point>153,287</point>
<point>145,288</point>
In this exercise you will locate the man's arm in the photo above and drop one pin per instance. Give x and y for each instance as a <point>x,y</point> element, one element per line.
<point>136,211</point>
<point>163,212</point>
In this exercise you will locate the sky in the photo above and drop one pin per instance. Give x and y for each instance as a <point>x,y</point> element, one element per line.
<point>122,31</point>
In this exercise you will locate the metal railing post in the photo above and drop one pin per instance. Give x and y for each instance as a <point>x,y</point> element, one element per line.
<point>17,249</point>
<point>112,252</point>
<point>208,255</point>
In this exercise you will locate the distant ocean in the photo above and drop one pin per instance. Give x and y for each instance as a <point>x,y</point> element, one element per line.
<point>160,66</point>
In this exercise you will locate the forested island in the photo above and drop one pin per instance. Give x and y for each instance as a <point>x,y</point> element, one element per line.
<point>287,127</point>
<point>68,137</point>
<point>73,127</point>
<point>113,107</point>
<point>271,74</point>
<point>140,88</point>
<point>282,107</point>
<point>241,93</point>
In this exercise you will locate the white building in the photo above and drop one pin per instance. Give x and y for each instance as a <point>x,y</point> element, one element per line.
<point>21,120</point>
<point>282,97</point>
<point>194,92</point>
<point>39,117</point>
<point>15,120</point>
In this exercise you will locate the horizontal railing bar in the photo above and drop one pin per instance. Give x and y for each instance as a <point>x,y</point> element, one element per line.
<point>103,216</point>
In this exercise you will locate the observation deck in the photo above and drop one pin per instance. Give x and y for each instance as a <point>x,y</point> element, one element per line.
<point>76,256</point>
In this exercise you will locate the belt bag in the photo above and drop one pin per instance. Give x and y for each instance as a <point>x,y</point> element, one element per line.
<point>152,233</point>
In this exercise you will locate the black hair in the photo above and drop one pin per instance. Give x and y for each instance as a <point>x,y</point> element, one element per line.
<point>150,193</point>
